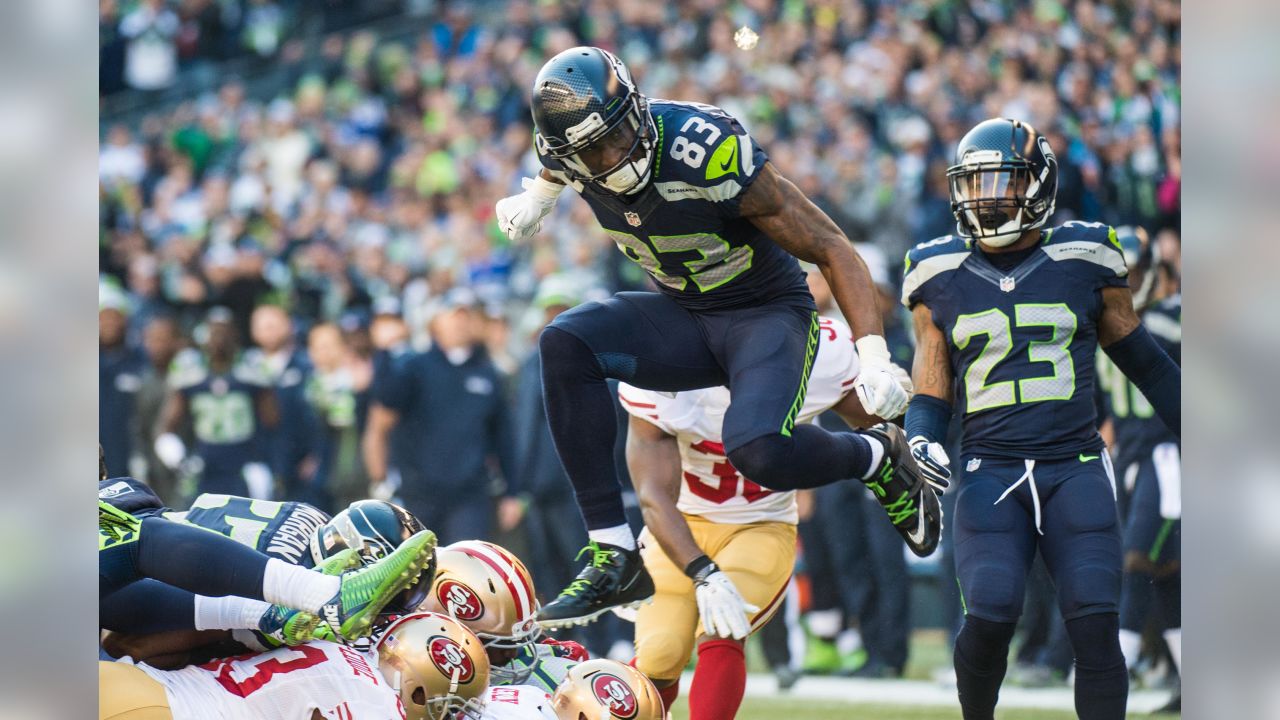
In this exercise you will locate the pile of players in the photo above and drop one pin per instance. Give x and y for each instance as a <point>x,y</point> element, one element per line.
<point>411,631</point>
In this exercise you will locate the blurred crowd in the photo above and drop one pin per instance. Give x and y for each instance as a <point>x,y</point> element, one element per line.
<point>330,252</point>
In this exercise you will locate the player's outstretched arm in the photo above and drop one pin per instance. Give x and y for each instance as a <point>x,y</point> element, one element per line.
<point>930,410</point>
<point>653,459</point>
<point>776,206</point>
<point>1142,360</point>
<point>790,219</point>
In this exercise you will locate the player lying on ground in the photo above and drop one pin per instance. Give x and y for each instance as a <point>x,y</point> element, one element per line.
<point>488,589</point>
<point>689,196</point>
<point>422,666</point>
<point>725,547</point>
<point>1015,315</point>
<point>187,561</point>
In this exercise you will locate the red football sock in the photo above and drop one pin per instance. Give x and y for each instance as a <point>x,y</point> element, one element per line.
<point>668,694</point>
<point>719,681</point>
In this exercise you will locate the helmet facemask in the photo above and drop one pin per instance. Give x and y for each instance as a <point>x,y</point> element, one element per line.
<point>996,201</point>
<point>630,134</point>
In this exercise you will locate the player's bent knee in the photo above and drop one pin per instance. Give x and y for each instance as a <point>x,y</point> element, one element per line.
<point>766,460</point>
<point>996,594</point>
<point>662,655</point>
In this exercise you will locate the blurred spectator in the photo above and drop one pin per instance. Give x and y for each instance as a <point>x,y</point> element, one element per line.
<point>331,393</point>
<point>232,409</point>
<point>161,339</point>
<point>151,55</point>
<point>119,379</point>
<point>292,452</point>
<point>452,397</point>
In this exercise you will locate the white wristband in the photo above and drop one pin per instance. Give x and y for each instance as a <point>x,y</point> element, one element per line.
<point>872,347</point>
<point>541,187</point>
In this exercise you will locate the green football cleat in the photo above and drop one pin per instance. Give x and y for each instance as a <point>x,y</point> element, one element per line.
<point>901,489</point>
<point>365,591</point>
<point>340,562</point>
<point>284,626</point>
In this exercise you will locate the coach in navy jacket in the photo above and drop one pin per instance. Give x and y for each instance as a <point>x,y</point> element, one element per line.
<point>451,402</point>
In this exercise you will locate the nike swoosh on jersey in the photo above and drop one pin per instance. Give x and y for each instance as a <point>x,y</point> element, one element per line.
<point>1087,458</point>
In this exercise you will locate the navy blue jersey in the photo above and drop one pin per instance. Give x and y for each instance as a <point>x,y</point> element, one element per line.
<point>280,529</point>
<point>132,496</point>
<point>1022,343</point>
<point>119,379</point>
<point>224,415</point>
<point>1137,429</point>
<point>684,228</point>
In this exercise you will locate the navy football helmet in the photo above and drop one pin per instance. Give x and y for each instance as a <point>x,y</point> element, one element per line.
<point>375,528</point>
<point>1004,182</point>
<point>589,117</point>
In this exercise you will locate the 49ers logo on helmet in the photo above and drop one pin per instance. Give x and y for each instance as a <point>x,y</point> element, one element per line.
<point>615,694</point>
<point>459,600</point>
<point>449,658</point>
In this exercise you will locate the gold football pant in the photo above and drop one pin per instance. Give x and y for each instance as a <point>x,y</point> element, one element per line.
<point>127,693</point>
<point>758,558</point>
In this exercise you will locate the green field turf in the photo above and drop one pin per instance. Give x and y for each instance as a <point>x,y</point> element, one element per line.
<point>795,708</point>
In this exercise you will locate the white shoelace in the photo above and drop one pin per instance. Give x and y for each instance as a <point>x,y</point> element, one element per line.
<point>1030,478</point>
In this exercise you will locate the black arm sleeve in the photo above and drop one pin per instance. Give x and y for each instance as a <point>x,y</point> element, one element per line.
<point>1154,372</point>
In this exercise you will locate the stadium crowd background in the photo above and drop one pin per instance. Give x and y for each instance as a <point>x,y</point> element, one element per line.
<point>340,160</point>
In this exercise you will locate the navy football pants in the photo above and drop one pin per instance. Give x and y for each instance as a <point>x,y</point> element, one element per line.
<point>995,543</point>
<point>763,354</point>
<point>996,539</point>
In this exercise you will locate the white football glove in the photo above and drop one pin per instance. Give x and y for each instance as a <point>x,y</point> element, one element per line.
<point>721,607</point>
<point>520,216</point>
<point>170,450</point>
<point>933,461</point>
<point>880,383</point>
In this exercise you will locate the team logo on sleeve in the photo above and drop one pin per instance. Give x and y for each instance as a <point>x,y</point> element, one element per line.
<point>459,600</point>
<point>616,695</point>
<point>450,659</point>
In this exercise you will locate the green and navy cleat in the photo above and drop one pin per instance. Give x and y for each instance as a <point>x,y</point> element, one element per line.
<point>365,591</point>
<point>614,578</point>
<point>901,489</point>
<point>284,626</point>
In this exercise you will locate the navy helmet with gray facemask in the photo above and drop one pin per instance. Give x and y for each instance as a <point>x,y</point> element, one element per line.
<point>584,101</point>
<point>375,528</point>
<point>1004,182</point>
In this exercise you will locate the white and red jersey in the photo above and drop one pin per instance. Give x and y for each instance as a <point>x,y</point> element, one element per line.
<point>712,487</point>
<point>517,702</point>
<point>289,683</point>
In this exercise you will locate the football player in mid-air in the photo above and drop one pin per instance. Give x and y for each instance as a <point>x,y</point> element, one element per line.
<point>725,547</point>
<point>1149,459</point>
<point>687,194</point>
<point>1009,316</point>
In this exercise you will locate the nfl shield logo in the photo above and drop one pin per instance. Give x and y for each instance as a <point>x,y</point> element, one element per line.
<point>632,219</point>
<point>1006,284</point>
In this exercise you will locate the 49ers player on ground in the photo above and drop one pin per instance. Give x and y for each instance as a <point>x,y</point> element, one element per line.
<point>721,548</point>
<point>424,666</point>
<point>488,589</point>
